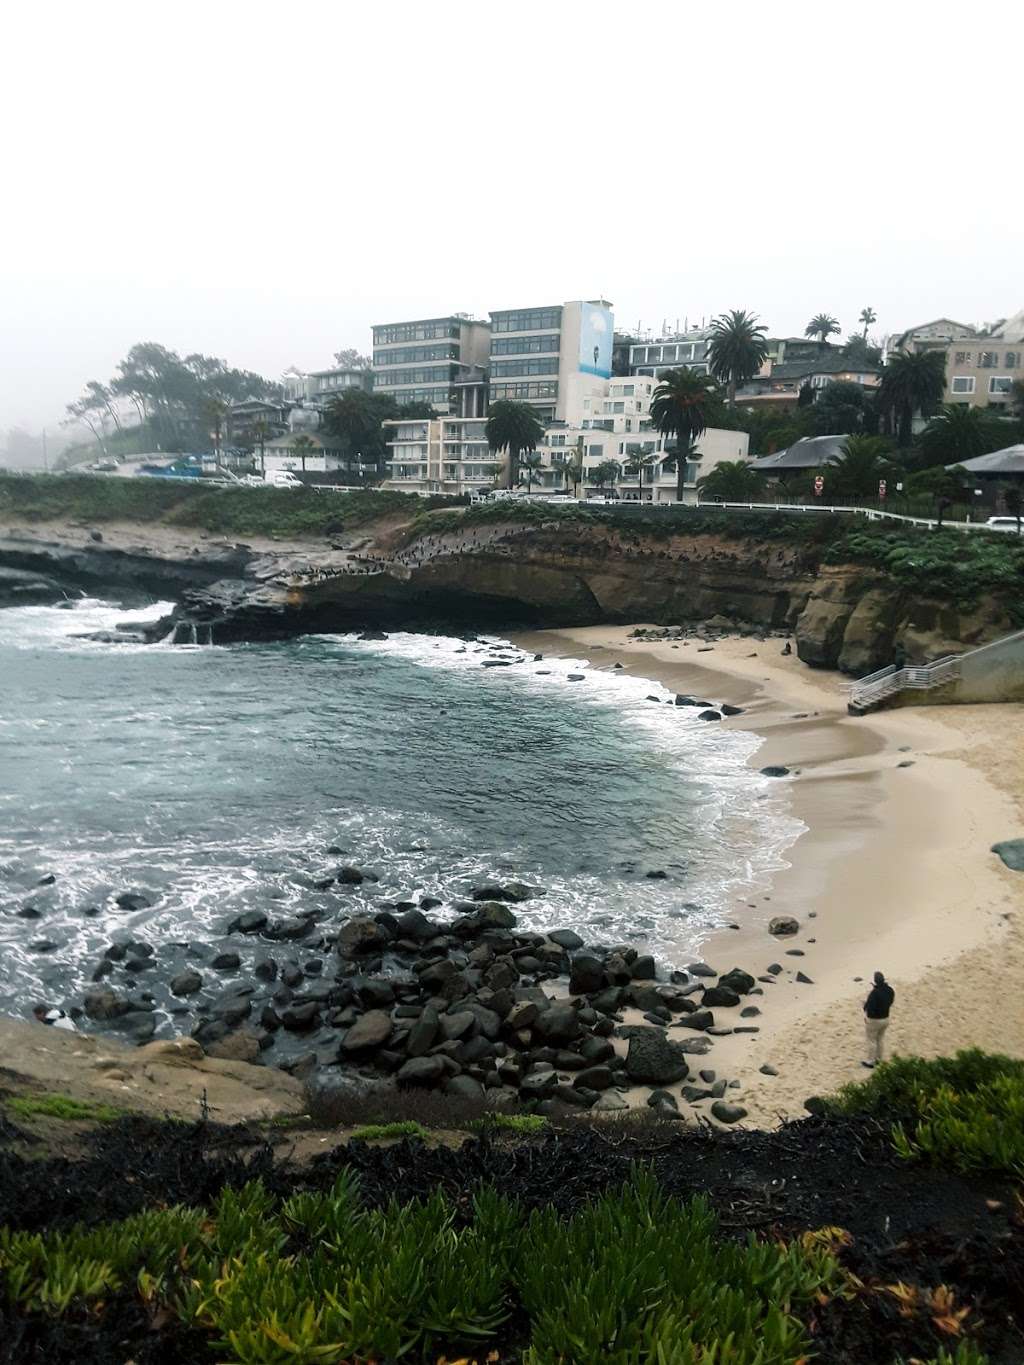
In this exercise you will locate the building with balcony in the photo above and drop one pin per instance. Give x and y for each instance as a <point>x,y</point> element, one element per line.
<point>323,385</point>
<point>440,455</point>
<point>780,383</point>
<point>421,361</point>
<point>552,356</point>
<point>982,363</point>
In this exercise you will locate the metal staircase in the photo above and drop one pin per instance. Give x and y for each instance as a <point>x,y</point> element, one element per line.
<point>867,693</point>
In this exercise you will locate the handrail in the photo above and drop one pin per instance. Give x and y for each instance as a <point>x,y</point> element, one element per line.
<point>871,513</point>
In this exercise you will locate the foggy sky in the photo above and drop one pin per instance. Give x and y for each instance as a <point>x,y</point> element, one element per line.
<point>263,182</point>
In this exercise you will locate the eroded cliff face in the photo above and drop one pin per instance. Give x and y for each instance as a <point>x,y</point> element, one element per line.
<point>553,574</point>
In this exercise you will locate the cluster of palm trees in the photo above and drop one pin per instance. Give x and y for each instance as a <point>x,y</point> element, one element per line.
<point>824,325</point>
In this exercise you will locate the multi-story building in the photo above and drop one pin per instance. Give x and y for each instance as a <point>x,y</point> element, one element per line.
<point>421,361</point>
<point>440,455</point>
<point>553,356</point>
<point>687,349</point>
<point>323,385</point>
<point>982,363</point>
<point>780,383</point>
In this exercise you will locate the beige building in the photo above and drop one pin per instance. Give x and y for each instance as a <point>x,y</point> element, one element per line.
<point>982,363</point>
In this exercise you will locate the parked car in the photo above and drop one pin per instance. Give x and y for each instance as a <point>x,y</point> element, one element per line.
<point>1003,524</point>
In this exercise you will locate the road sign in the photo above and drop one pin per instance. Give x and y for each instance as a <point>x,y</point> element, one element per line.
<point>881,488</point>
<point>819,485</point>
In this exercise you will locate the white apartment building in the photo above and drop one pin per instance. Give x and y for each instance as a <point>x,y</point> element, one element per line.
<point>552,356</point>
<point>654,358</point>
<point>440,455</point>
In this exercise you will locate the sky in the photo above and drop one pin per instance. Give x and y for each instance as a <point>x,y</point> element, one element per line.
<point>263,182</point>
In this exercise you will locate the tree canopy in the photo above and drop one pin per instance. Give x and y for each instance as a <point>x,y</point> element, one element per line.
<point>957,433</point>
<point>680,408</point>
<point>732,481</point>
<point>822,326</point>
<point>737,349</point>
<point>862,464</point>
<point>515,428</point>
<point>912,383</point>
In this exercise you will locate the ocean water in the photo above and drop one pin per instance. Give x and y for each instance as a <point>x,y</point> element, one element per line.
<point>214,779</point>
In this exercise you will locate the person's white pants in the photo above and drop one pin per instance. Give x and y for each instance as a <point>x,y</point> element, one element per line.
<point>875,1030</point>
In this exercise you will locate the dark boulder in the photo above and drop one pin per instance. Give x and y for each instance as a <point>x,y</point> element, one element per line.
<point>586,974</point>
<point>722,996</point>
<point>558,1024</point>
<point>783,925</point>
<point>699,1020</point>
<point>186,983</point>
<point>226,962</point>
<point>132,900</point>
<point>709,715</point>
<point>361,934</point>
<point>423,1033</point>
<point>105,1004</point>
<point>249,923</point>
<point>506,891</point>
<point>775,770</point>
<point>737,980</point>
<point>299,1018</point>
<point>653,1058</point>
<point>371,1030</point>
<point>421,1071</point>
<point>566,938</point>
<point>728,1113</point>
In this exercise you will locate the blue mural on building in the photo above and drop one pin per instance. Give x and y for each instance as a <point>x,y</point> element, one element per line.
<point>596,331</point>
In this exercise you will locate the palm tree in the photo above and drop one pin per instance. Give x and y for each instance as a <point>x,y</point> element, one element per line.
<point>604,473</point>
<point>679,408</point>
<point>732,481</point>
<point>868,316</point>
<point>636,464</point>
<point>957,433</point>
<point>514,427</point>
<point>912,383</point>
<point>737,349</point>
<point>822,325</point>
<point>302,446</point>
<point>213,411</point>
<point>862,464</point>
<point>573,472</point>
<point>260,431</point>
<point>531,462</point>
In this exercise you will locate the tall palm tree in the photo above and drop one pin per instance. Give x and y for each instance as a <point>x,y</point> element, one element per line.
<point>957,433</point>
<point>532,463</point>
<point>732,481</point>
<point>636,464</point>
<point>302,446</point>
<point>912,383</point>
<point>737,349</point>
<point>680,408</point>
<point>822,325</point>
<point>573,472</point>
<point>260,430</point>
<point>861,466</point>
<point>868,316</point>
<point>514,427</point>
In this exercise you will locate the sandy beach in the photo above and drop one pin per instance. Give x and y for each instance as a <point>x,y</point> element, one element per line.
<point>894,872</point>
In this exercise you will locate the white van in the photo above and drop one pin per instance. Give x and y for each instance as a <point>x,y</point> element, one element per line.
<point>282,478</point>
<point>1002,524</point>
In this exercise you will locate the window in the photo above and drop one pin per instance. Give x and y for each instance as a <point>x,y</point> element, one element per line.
<point>503,369</point>
<point>434,329</point>
<point>988,360</point>
<point>962,358</point>
<point>435,375</point>
<point>629,424</point>
<point>1012,360</point>
<point>525,345</point>
<point>627,390</point>
<point>595,451</point>
<point>638,355</point>
<point>692,472</point>
<point>1000,384</point>
<point>411,354</point>
<point>557,441</point>
<point>527,320</point>
<point>524,392</point>
<point>618,407</point>
<point>962,383</point>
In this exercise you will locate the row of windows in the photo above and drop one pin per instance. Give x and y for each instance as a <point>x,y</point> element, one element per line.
<point>435,396</point>
<point>988,360</point>
<point>435,375</point>
<point>501,369</point>
<point>527,320</point>
<point>409,355</point>
<point>519,392</point>
<point>665,355</point>
<point>525,345</point>
<point>964,383</point>
<point>435,330</point>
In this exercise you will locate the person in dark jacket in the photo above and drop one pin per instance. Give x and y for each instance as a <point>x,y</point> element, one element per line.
<point>876,1017</point>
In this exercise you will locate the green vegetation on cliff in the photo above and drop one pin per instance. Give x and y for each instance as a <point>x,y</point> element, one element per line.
<point>226,511</point>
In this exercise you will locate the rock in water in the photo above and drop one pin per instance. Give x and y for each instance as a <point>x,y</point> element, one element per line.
<point>775,770</point>
<point>372,1030</point>
<point>651,1057</point>
<point>186,983</point>
<point>737,980</point>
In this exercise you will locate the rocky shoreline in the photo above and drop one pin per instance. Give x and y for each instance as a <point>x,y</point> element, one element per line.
<point>390,999</point>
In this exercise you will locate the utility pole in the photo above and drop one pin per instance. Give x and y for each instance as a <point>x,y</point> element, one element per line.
<point>46,464</point>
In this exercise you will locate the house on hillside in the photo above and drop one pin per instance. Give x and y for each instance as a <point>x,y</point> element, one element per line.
<point>779,385</point>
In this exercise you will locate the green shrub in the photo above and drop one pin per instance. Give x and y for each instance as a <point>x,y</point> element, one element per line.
<point>636,1278</point>
<point>63,1107</point>
<point>965,1354</point>
<point>510,1123</point>
<point>370,1132</point>
<point>966,1111</point>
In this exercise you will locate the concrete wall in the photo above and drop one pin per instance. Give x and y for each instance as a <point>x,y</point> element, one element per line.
<point>994,672</point>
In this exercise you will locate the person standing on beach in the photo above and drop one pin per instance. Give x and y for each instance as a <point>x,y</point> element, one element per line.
<point>876,1017</point>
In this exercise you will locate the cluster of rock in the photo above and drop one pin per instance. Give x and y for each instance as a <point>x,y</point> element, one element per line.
<point>460,1007</point>
<point>716,627</point>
